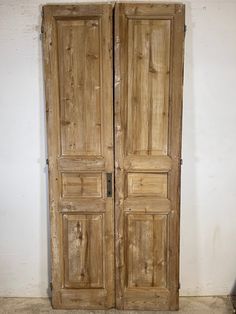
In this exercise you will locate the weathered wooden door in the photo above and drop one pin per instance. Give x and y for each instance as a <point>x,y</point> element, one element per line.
<point>78,72</point>
<point>148,105</point>
<point>144,226</point>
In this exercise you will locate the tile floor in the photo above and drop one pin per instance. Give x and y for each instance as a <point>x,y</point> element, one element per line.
<point>188,305</point>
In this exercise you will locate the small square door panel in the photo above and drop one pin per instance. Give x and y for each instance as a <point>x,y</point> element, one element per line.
<point>81,185</point>
<point>147,184</point>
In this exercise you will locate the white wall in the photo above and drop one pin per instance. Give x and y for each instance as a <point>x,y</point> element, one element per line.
<point>208,232</point>
<point>208,250</point>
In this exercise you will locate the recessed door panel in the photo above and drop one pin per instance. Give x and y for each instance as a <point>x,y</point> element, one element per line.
<point>149,66</point>
<point>81,185</point>
<point>146,250</point>
<point>147,184</point>
<point>83,245</point>
<point>79,64</point>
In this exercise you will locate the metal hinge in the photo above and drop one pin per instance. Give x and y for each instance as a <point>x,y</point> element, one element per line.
<point>181,161</point>
<point>185,29</point>
<point>42,31</point>
<point>42,28</point>
<point>50,285</point>
<point>179,285</point>
<point>47,162</point>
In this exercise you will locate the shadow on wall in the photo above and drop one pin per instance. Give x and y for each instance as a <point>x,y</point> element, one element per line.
<point>45,237</point>
<point>189,215</point>
<point>233,296</point>
<point>233,290</point>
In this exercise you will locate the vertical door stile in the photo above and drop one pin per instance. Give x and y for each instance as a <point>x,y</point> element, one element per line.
<point>148,107</point>
<point>118,159</point>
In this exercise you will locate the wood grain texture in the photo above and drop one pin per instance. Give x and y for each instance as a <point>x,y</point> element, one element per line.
<point>77,185</point>
<point>148,106</point>
<point>77,43</point>
<point>79,78</point>
<point>83,240</point>
<point>148,76</point>
<point>143,164</point>
<point>148,65</point>
<point>146,250</point>
<point>147,184</point>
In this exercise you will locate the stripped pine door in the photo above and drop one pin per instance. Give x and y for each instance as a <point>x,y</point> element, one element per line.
<point>148,104</point>
<point>138,241</point>
<point>78,79</point>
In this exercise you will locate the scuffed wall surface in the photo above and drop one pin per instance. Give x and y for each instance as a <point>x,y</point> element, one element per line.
<point>208,251</point>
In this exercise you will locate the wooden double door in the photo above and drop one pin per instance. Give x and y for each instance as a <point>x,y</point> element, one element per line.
<point>113,82</point>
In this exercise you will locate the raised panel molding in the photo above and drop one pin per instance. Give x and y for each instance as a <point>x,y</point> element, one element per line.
<point>147,184</point>
<point>147,250</point>
<point>79,79</point>
<point>79,185</point>
<point>148,64</point>
<point>83,245</point>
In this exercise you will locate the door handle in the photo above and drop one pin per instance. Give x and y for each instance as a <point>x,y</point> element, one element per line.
<point>109,184</point>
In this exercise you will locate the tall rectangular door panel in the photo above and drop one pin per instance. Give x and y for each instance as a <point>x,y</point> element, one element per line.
<point>78,52</point>
<point>148,106</point>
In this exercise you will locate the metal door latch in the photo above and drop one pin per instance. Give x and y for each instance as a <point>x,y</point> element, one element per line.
<point>109,184</point>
